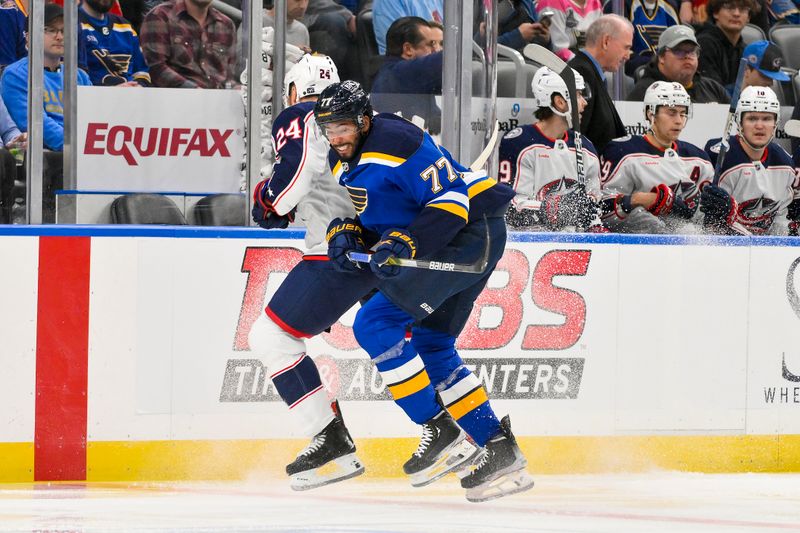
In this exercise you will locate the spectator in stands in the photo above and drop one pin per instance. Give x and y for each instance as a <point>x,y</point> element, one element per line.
<point>650,18</point>
<point>677,61</point>
<point>332,28</point>
<point>570,23</point>
<point>10,138</point>
<point>608,45</point>
<point>189,44</point>
<point>15,82</point>
<point>411,74</point>
<point>114,55</point>
<point>721,44</point>
<point>385,12</point>
<point>437,35</point>
<point>518,24</point>
<point>13,29</point>
<point>764,62</point>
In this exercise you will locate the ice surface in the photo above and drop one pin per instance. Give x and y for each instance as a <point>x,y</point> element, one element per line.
<point>659,502</point>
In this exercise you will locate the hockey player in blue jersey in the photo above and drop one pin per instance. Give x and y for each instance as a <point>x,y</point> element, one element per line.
<point>538,161</point>
<point>114,56</point>
<point>757,181</point>
<point>414,201</point>
<point>313,295</point>
<point>650,181</point>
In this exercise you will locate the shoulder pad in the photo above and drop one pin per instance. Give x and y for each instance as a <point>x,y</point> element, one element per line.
<point>516,132</point>
<point>622,139</point>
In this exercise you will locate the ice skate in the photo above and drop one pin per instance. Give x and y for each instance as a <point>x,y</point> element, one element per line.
<point>330,457</point>
<point>444,447</point>
<point>500,471</point>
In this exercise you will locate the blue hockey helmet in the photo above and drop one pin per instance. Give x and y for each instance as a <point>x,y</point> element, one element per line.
<point>346,100</point>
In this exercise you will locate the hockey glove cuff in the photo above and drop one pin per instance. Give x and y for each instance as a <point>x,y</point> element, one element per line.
<point>264,212</point>
<point>344,235</point>
<point>619,206</point>
<point>665,197</point>
<point>521,218</point>
<point>395,243</point>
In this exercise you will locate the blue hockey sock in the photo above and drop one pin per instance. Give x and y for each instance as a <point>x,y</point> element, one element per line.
<point>297,381</point>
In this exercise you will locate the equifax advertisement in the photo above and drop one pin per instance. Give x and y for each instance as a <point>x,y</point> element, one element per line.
<point>159,140</point>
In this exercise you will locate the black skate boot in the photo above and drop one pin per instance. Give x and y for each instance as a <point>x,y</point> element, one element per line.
<point>500,471</point>
<point>331,446</point>
<point>443,448</point>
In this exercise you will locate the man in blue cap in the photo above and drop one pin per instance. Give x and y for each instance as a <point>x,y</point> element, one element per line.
<point>764,62</point>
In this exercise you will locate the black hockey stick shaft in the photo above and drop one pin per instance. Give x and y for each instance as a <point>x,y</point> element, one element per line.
<point>724,142</point>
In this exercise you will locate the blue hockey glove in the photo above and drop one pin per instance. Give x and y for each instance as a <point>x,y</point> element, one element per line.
<point>395,242</point>
<point>683,208</point>
<point>719,207</point>
<point>344,235</point>
<point>264,213</point>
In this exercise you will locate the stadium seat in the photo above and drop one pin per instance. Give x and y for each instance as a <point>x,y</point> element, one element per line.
<point>221,210</point>
<point>787,37</point>
<point>145,208</point>
<point>510,73</point>
<point>752,33</point>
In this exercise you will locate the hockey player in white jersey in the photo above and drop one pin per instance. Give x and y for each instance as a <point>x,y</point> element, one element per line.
<point>538,161</point>
<point>313,296</point>
<point>757,181</point>
<point>649,181</point>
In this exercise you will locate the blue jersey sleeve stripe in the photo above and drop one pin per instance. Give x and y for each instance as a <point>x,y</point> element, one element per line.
<point>452,196</point>
<point>476,188</point>
<point>380,159</point>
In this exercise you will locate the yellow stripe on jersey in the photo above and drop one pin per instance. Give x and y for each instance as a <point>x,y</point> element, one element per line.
<point>480,186</point>
<point>337,170</point>
<point>456,209</point>
<point>124,27</point>
<point>408,387</point>
<point>380,158</point>
<point>85,26</point>
<point>469,402</point>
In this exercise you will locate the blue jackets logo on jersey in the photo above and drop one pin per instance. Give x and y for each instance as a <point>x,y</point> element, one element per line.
<point>758,213</point>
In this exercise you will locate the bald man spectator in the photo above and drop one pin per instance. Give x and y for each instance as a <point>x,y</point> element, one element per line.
<point>608,45</point>
<point>676,61</point>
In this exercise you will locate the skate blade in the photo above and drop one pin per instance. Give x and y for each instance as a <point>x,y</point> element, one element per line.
<point>452,459</point>
<point>340,469</point>
<point>504,485</point>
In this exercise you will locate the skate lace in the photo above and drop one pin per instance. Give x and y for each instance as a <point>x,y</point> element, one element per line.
<point>427,437</point>
<point>484,459</point>
<point>316,444</point>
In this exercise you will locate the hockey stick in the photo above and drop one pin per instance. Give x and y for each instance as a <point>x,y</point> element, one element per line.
<point>478,267</point>
<point>724,143</point>
<point>545,57</point>
<point>792,128</point>
<point>487,151</point>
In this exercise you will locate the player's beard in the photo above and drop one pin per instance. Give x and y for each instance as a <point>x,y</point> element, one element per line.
<point>101,6</point>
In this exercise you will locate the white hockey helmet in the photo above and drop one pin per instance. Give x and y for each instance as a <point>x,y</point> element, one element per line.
<point>668,93</point>
<point>310,75</point>
<point>546,83</point>
<point>755,98</point>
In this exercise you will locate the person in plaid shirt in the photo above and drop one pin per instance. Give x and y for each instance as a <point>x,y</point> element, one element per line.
<point>189,44</point>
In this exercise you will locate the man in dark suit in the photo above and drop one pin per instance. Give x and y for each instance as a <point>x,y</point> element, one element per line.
<point>608,45</point>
